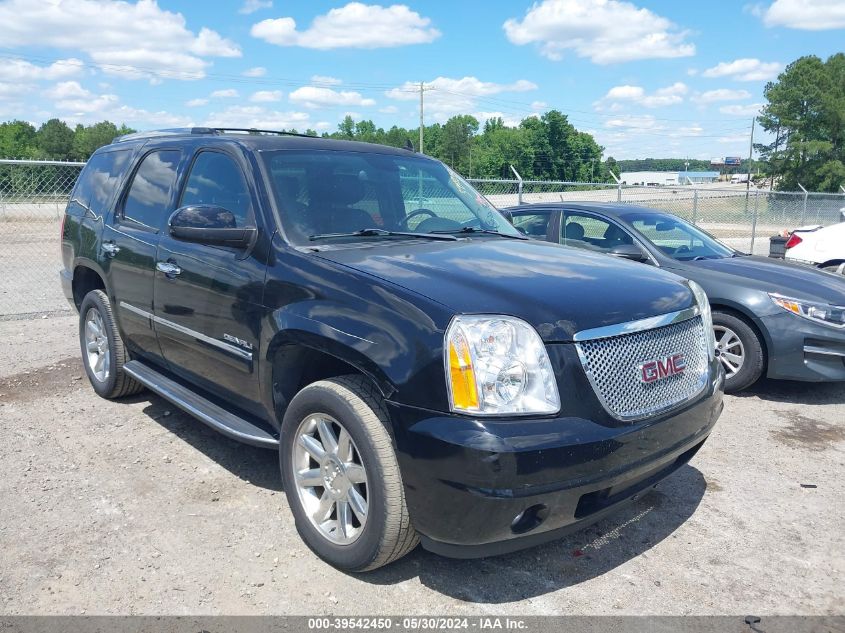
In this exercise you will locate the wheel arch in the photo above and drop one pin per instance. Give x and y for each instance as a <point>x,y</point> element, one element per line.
<point>87,276</point>
<point>749,319</point>
<point>298,358</point>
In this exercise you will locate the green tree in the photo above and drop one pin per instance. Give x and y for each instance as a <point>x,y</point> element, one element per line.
<point>55,140</point>
<point>805,112</point>
<point>17,140</point>
<point>86,140</point>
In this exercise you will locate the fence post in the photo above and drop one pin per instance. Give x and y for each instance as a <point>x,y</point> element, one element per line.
<point>519,185</point>
<point>618,186</point>
<point>694,205</point>
<point>754,218</point>
<point>804,206</point>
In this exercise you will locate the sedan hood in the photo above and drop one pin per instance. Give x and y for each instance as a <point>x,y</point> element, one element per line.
<point>775,275</point>
<point>560,291</point>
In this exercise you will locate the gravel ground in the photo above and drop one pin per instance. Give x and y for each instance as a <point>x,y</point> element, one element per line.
<point>135,508</point>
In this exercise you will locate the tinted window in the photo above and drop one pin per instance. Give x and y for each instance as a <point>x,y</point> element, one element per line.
<point>148,200</point>
<point>678,239</point>
<point>217,180</point>
<point>591,233</point>
<point>321,192</point>
<point>99,179</point>
<point>533,224</point>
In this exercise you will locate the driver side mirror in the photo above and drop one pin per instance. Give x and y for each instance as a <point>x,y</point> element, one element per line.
<point>628,251</point>
<point>210,224</point>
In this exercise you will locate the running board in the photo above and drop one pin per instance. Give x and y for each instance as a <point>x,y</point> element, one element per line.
<point>204,410</point>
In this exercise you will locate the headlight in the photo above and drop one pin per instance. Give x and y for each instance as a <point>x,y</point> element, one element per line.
<point>819,312</point>
<point>497,365</point>
<point>706,316</point>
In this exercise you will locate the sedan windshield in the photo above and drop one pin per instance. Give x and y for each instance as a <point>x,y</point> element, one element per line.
<point>678,239</point>
<point>338,196</point>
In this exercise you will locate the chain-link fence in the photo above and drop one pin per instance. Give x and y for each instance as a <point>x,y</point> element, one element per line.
<point>742,218</point>
<point>33,195</point>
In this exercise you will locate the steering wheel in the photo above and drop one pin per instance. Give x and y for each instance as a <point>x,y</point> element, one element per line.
<point>413,214</point>
<point>682,249</point>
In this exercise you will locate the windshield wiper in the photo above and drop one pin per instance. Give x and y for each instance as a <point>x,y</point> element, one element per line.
<point>375,232</point>
<point>472,229</point>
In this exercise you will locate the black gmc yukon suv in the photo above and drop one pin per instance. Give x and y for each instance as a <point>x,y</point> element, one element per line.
<point>425,372</point>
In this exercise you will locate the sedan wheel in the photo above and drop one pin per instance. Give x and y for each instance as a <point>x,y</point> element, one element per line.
<point>729,350</point>
<point>331,479</point>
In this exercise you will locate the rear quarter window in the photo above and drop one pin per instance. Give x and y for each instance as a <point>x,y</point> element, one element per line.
<point>98,183</point>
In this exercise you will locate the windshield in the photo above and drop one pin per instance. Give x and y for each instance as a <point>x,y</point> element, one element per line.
<point>677,238</point>
<point>323,193</point>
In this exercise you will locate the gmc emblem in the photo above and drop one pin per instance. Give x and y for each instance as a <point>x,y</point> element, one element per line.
<point>660,368</point>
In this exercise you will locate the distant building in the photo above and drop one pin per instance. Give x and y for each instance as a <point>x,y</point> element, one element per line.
<point>668,178</point>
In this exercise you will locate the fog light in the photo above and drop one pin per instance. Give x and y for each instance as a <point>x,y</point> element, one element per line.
<point>529,518</point>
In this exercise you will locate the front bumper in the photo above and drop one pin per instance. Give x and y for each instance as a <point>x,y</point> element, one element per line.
<point>799,349</point>
<point>479,487</point>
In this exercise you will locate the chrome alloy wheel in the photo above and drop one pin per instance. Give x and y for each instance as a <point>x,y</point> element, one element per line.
<point>729,350</point>
<point>331,479</point>
<point>97,345</point>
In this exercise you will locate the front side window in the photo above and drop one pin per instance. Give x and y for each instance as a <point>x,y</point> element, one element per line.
<point>532,224</point>
<point>677,238</point>
<point>217,180</point>
<point>591,233</point>
<point>148,200</point>
<point>321,192</point>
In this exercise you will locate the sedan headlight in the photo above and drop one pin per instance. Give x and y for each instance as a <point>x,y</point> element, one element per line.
<point>813,310</point>
<point>706,316</point>
<point>498,365</point>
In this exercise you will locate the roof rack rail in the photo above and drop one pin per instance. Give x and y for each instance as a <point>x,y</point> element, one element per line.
<point>252,130</point>
<point>173,131</point>
<point>182,131</point>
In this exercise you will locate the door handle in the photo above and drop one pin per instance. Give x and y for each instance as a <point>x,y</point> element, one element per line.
<point>110,249</point>
<point>169,269</point>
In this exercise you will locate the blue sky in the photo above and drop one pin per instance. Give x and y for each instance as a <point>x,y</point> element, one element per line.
<point>647,78</point>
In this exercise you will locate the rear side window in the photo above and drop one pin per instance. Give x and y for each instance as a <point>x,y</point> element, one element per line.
<point>98,182</point>
<point>216,179</point>
<point>149,196</point>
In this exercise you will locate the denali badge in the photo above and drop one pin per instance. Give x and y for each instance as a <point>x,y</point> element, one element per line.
<point>660,368</point>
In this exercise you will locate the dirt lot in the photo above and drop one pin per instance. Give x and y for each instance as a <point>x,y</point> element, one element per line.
<point>133,507</point>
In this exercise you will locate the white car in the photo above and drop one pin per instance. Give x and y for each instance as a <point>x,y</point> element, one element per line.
<point>821,246</point>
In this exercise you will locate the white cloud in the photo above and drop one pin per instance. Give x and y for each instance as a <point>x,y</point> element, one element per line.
<point>133,40</point>
<point>314,97</point>
<point>256,71</point>
<point>722,94</point>
<point>266,96</point>
<point>228,93</point>
<point>251,6</point>
<point>807,15</point>
<point>10,91</point>
<point>751,109</point>
<point>745,69</point>
<point>633,122</point>
<point>66,90</point>
<point>391,109</point>
<point>325,80</point>
<point>604,31</point>
<point>355,25</point>
<point>669,95</point>
<point>507,119</point>
<point>259,117</point>
<point>194,103</point>
<point>445,96</point>
<point>20,70</point>
<point>538,105</point>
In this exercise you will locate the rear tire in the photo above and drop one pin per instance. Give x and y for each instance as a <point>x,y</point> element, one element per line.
<point>103,353</point>
<point>739,350</point>
<point>355,522</point>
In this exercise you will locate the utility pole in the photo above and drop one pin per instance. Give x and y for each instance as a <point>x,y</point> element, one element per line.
<point>422,90</point>
<point>748,174</point>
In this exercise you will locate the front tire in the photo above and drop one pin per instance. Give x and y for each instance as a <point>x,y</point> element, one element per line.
<point>103,353</point>
<point>739,350</point>
<point>341,476</point>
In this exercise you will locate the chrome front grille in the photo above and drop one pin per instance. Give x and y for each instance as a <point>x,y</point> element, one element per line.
<point>614,366</point>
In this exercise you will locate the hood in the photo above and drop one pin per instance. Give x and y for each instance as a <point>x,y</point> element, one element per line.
<point>774,275</point>
<point>560,291</point>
